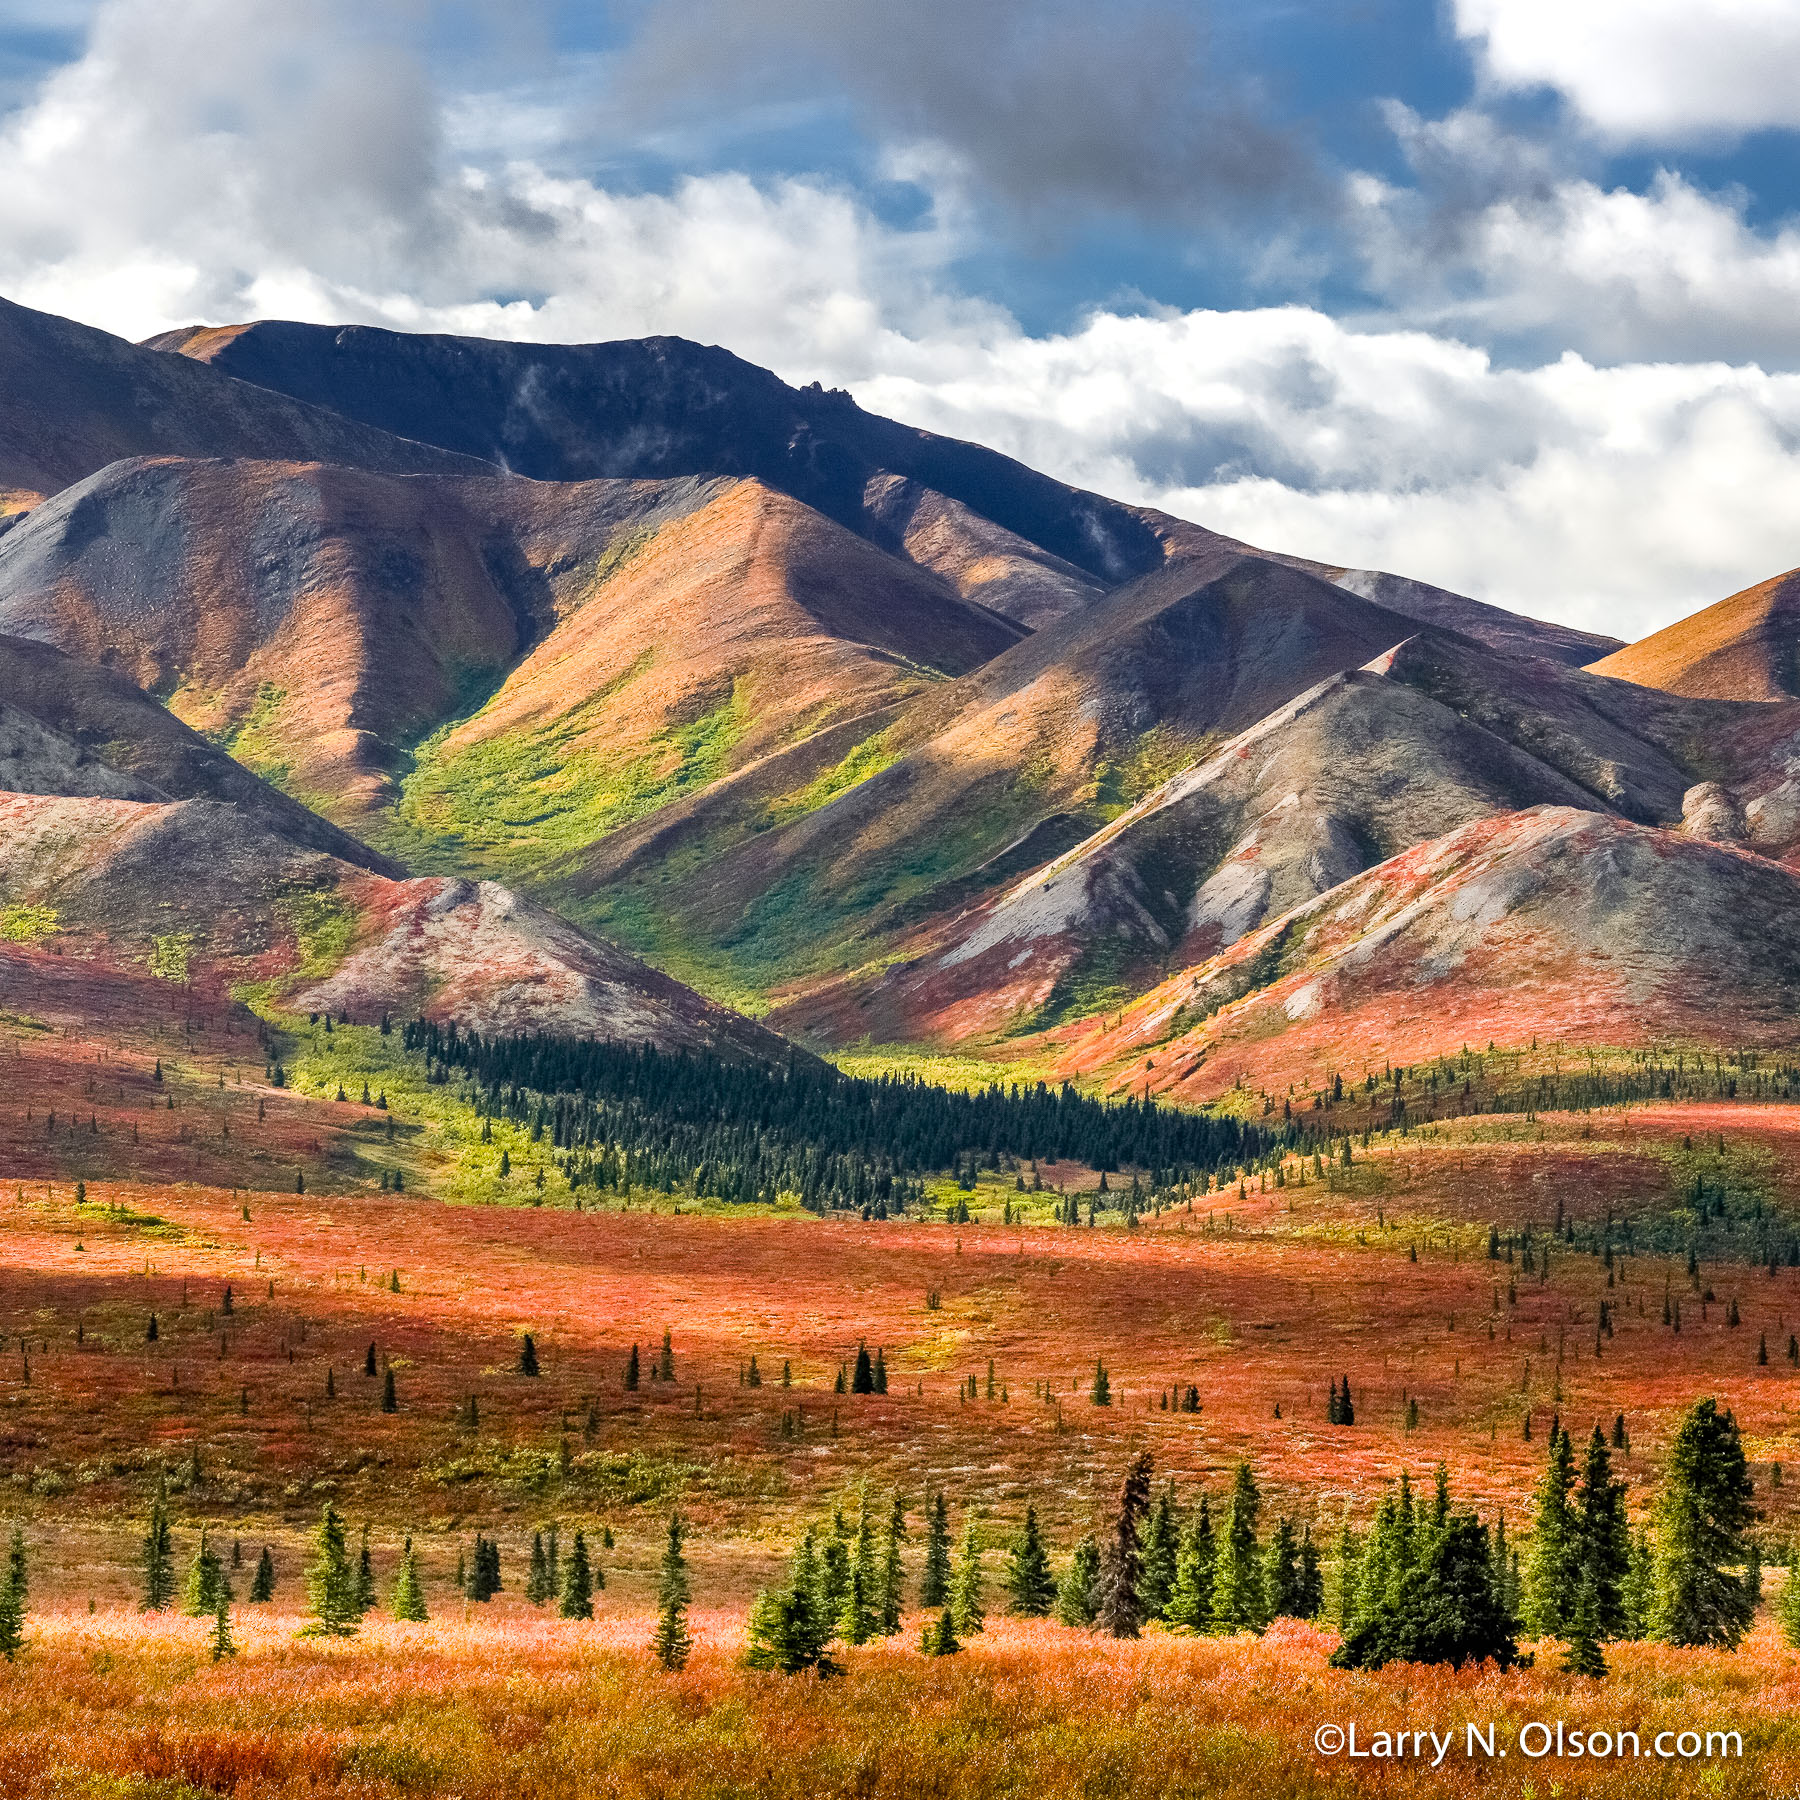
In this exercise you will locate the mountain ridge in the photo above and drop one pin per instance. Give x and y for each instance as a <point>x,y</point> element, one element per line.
<point>73,399</point>
<point>820,711</point>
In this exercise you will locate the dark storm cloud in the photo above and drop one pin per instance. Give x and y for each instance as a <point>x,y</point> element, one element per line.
<point>1056,109</point>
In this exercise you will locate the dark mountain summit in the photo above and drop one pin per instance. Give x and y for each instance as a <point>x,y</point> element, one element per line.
<point>661,407</point>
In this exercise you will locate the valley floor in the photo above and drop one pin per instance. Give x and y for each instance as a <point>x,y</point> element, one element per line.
<point>106,1708</point>
<point>256,1413</point>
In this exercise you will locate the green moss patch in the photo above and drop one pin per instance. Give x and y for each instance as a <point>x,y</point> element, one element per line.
<point>521,802</point>
<point>26,924</point>
<point>253,741</point>
<point>865,760</point>
<point>324,926</point>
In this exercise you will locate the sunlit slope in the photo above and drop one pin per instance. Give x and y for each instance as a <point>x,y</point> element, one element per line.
<point>1432,734</point>
<point>322,622</point>
<point>1746,647</point>
<point>979,781</point>
<point>730,635</point>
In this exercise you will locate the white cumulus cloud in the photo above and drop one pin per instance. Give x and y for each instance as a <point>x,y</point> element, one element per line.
<point>1615,273</point>
<point>1648,70</point>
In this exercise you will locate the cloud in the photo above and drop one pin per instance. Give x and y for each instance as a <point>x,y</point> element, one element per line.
<point>1057,110</point>
<point>192,166</point>
<point>1658,71</point>
<point>1614,498</point>
<point>1522,252</point>
<point>207,161</point>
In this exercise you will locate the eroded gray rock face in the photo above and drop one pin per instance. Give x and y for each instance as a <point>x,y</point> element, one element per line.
<point>35,760</point>
<point>1708,811</point>
<point>1772,818</point>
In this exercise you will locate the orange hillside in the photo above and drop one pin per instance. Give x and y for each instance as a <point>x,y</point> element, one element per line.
<point>1742,648</point>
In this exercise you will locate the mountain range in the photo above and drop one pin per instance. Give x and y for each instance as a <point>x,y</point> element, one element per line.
<point>626,689</point>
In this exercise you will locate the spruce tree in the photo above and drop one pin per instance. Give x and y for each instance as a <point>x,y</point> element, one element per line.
<point>484,1575</point>
<point>1552,1571</point>
<point>1030,1587</point>
<point>390,1399</point>
<point>1503,1588</point>
<point>537,1574</point>
<point>14,1597</point>
<point>1101,1392</point>
<point>578,1583</point>
<point>1583,1655</point>
<point>1119,1604</point>
<point>365,1576</point>
<point>205,1580</point>
<point>1349,1579</point>
<point>528,1357</point>
<point>834,1575</point>
<point>331,1581</point>
<point>223,1644</point>
<point>857,1616</point>
<point>665,1368</point>
<point>1238,1591</point>
<point>1426,1590</point>
<point>787,1630</point>
<point>158,1557</point>
<point>1076,1592</point>
<point>1309,1596</point>
<point>1702,1516</point>
<point>673,1642</point>
<point>939,1636</point>
<point>1639,1591</point>
<point>863,1381</point>
<point>934,1580</point>
<point>631,1371</point>
<point>1787,1608</point>
<point>1162,1537</point>
<point>1603,1538</point>
<point>262,1583</point>
<point>1191,1603</point>
<point>893,1579</point>
<point>409,1595</point>
<point>1281,1572</point>
<point>966,1606</point>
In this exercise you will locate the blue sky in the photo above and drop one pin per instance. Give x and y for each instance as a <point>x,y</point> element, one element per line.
<point>1498,293</point>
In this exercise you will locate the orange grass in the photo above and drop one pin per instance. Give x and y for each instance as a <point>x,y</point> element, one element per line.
<point>1260,1306</point>
<point>110,1706</point>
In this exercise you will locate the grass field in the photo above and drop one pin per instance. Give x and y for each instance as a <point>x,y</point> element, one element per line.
<point>108,1706</point>
<point>255,1417</point>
